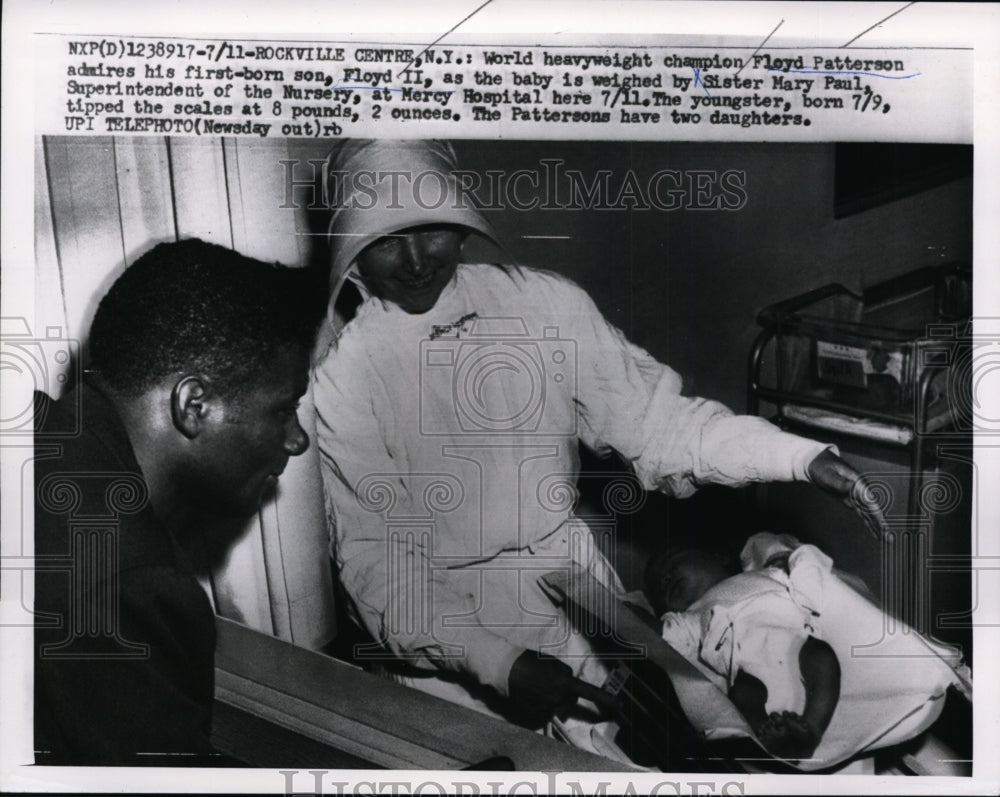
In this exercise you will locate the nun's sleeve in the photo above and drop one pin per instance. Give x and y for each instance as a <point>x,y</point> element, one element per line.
<point>400,596</point>
<point>632,404</point>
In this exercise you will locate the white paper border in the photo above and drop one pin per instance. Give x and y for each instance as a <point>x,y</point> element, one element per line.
<point>815,24</point>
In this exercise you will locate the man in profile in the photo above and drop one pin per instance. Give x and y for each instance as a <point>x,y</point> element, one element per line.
<point>198,357</point>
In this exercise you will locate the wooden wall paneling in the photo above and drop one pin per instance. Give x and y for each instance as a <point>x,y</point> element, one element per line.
<point>275,571</point>
<point>145,193</point>
<point>304,192</point>
<point>82,178</point>
<point>296,547</point>
<point>312,598</point>
<point>293,526</point>
<point>201,201</point>
<point>240,584</point>
<point>50,308</point>
<point>256,181</point>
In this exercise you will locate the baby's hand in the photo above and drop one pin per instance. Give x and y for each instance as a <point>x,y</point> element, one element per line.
<point>787,735</point>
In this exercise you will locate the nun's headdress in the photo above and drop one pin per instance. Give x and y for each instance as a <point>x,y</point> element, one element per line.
<point>378,187</point>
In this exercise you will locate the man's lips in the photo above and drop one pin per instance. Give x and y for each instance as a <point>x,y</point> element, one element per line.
<point>271,480</point>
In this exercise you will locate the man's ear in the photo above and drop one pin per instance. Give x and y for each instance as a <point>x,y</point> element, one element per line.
<point>189,405</point>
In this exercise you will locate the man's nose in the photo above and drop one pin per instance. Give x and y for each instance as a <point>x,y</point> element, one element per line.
<point>297,441</point>
<point>413,255</point>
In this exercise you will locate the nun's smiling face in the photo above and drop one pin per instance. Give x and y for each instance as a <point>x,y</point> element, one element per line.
<point>411,267</point>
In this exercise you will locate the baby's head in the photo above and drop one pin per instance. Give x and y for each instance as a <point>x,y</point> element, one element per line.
<point>677,578</point>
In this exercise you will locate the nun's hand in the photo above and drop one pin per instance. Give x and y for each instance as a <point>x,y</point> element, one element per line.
<point>541,686</point>
<point>832,474</point>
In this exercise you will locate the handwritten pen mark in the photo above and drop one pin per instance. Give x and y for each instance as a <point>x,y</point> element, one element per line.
<point>697,80</point>
<point>450,30</point>
<point>841,72</point>
<point>866,30</point>
<point>769,35</point>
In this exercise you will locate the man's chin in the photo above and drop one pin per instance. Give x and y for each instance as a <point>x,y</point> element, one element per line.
<point>265,494</point>
<point>242,509</point>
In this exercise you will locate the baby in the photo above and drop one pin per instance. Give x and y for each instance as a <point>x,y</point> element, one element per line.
<point>754,634</point>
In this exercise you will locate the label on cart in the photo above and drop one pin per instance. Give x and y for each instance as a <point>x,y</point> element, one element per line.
<point>842,364</point>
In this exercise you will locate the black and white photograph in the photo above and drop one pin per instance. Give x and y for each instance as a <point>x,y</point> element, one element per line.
<point>568,452</point>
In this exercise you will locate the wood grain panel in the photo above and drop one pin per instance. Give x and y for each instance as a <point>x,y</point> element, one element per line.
<point>145,194</point>
<point>82,180</point>
<point>200,198</point>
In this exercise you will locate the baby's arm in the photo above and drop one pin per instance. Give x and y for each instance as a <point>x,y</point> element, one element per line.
<point>821,675</point>
<point>786,734</point>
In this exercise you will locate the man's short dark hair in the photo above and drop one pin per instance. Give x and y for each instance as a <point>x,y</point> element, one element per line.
<point>194,307</point>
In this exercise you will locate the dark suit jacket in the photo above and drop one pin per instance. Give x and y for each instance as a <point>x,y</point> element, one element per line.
<point>124,634</point>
